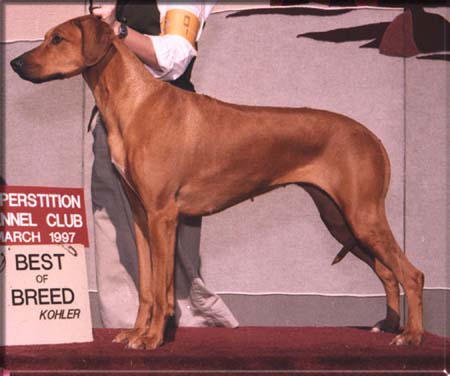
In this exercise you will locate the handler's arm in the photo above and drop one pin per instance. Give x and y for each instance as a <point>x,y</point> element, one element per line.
<point>140,44</point>
<point>166,56</point>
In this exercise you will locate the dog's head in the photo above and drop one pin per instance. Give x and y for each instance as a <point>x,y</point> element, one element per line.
<point>67,50</point>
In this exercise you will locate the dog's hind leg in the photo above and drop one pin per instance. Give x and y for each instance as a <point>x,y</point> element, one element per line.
<point>371,228</point>
<point>391,323</point>
<point>336,224</point>
<point>358,184</point>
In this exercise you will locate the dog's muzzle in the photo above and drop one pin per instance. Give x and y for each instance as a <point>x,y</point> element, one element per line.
<point>25,71</point>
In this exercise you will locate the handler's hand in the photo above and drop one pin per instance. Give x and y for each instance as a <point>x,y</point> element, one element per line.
<point>106,13</point>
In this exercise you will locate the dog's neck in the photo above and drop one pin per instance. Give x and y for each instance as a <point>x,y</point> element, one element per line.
<point>117,76</point>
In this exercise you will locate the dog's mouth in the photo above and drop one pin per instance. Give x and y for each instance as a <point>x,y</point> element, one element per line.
<point>25,74</point>
<point>39,79</point>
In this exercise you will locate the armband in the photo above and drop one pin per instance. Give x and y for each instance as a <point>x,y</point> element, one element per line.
<point>181,22</point>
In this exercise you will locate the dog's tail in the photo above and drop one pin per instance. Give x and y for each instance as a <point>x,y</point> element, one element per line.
<point>343,252</point>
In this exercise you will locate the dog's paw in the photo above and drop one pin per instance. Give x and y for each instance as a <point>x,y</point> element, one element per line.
<point>408,338</point>
<point>388,326</point>
<point>145,343</point>
<point>137,339</point>
<point>128,335</point>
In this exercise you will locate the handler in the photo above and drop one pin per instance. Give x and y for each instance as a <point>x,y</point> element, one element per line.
<point>164,36</point>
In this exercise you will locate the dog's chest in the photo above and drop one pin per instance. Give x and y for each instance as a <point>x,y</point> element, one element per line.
<point>118,158</point>
<point>122,172</point>
<point>119,167</point>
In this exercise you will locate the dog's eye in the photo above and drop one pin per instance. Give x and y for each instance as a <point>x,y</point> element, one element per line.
<point>57,39</point>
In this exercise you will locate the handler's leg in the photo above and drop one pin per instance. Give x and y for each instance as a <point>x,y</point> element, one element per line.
<point>197,305</point>
<point>115,247</point>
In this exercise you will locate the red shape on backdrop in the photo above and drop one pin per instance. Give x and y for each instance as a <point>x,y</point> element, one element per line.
<point>398,39</point>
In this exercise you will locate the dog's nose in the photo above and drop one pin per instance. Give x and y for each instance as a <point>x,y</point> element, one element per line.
<point>17,64</point>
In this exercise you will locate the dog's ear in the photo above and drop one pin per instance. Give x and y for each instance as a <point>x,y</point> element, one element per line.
<point>96,38</point>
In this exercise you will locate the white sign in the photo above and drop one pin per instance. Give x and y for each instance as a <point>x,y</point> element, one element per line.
<point>44,287</point>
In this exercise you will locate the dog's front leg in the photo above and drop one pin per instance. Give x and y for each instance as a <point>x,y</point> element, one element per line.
<point>162,226</point>
<point>132,336</point>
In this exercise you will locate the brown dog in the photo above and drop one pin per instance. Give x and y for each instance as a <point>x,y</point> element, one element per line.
<point>205,155</point>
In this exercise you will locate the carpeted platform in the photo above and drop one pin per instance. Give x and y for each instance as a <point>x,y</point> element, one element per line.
<point>267,350</point>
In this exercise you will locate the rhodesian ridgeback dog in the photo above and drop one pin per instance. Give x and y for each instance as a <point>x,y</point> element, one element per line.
<point>204,155</point>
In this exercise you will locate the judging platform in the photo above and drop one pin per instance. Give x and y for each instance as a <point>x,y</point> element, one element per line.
<point>270,258</point>
<point>258,350</point>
